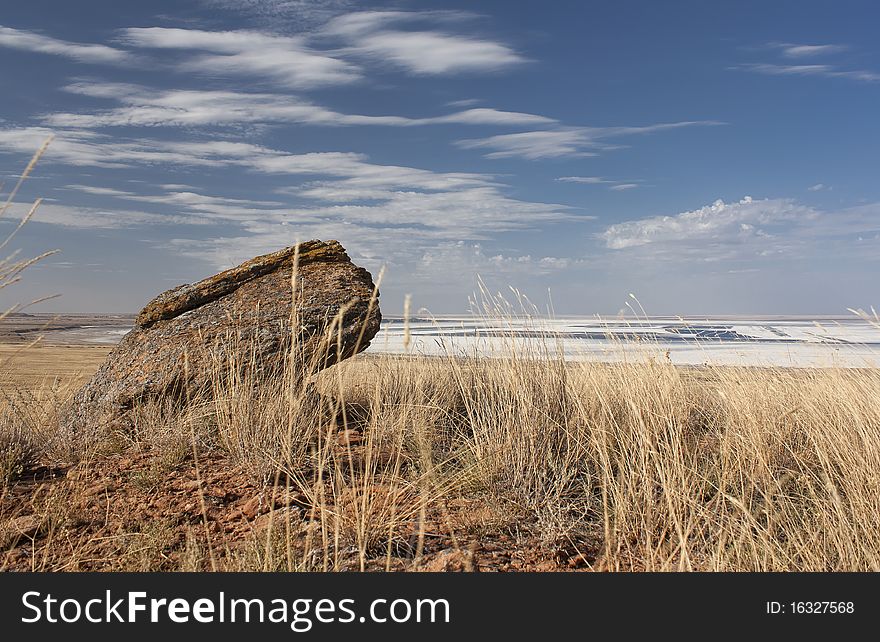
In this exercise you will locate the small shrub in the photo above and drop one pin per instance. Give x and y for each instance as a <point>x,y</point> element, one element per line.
<point>18,448</point>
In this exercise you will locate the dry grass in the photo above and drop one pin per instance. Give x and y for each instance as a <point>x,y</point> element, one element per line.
<point>40,368</point>
<point>734,469</point>
<point>668,468</point>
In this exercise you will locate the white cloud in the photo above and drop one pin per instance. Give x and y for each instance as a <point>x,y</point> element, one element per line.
<point>750,231</point>
<point>817,187</point>
<point>565,141</point>
<point>465,102</point>
<point>808,51</point>
<point>418,263</point>
<point>461,213</point>
<point>81,147</point>
<point>585,180</point>
<point>720,221</point>
<point>88,53</point>
<point>829,71</point>
<point>488,116</point>
<point>294,61</point>
<point>435,53</point>
<point>369,34</point>
<point>797,52</point>
<point>747,234</point>
<point>176,186</point>
<point>100,218</point>
<point>533,145</point>
<point>401,229</point>
<point>617,186</point>
<point>284,59</point>
<point>195,207</point>
<point>96,190</point>
<point>144,106</point>
<point>474,258</point>
<point>389,210</point>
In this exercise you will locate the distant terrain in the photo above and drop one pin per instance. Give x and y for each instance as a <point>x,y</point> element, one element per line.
<point>760,341</point>
<point>64,328</point>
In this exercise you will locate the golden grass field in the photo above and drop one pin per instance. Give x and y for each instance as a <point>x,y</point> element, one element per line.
<point>35,368</point>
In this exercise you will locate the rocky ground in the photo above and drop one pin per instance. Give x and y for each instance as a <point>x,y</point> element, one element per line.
<point>140,511</point>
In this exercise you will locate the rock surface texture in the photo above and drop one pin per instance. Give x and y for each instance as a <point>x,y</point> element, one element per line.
<point>245,317</point>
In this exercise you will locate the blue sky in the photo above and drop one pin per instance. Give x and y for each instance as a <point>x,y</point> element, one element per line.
<point>711,158</point>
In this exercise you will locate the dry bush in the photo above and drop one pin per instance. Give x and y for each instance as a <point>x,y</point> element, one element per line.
<point>267,424</point>
<point>19,445</point>
<point>19,450</point>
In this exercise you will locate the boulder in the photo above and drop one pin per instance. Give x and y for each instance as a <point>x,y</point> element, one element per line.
<point>248,317</point>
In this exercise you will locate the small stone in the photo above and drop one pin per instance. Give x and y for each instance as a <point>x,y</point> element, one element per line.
<point>98,489</point>
<point>253,507</point>
<point>349,437</point>
<point>451,561</point>
<point>18,527</point>
<point>285,498</point>
<point>234,516</point>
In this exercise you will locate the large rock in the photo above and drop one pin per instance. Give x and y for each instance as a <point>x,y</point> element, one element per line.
<point>187,337</point>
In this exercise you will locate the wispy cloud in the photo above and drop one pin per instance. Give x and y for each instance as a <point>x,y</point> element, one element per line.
<point>287,60</point>
<point>79,147</point>
<point>585,180</point>
<point>488,116</point>
<point>791,53</point>
<point>200,208</point>
<point>534,145</point>
<point>474,258</point>
<point>144,106</point>
<point>564,141</point>
<point>829,71</point>
<point>465,102</point>
<point>84,148</point>
<point>396,225</point>
<point>375,35</point>
<point>88,53</point>
<point>387,208</point>
<point>96,190</point>
<point>808,51</point>
<point>296,13</point>
<point>617,186</point>
<point>72,216</point>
